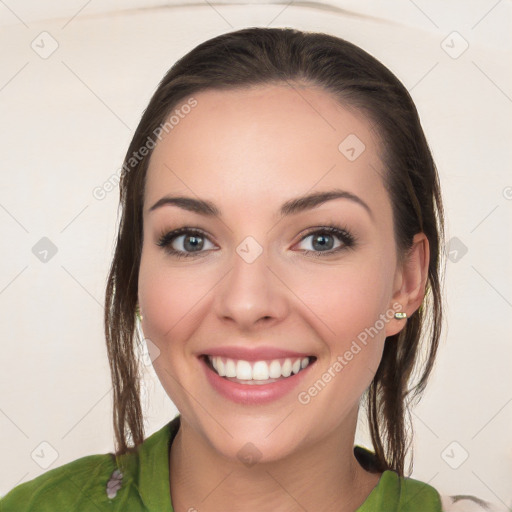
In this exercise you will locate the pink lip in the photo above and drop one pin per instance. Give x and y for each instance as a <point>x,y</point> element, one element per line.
<point>247,394</point>
<point>254,354</point>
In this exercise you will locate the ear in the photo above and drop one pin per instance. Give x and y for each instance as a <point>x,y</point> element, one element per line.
<point>410,282</point>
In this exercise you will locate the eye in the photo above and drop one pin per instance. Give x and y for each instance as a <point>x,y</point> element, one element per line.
<point>179,242</point>
<point>323,242</point>
<point>189,242</point>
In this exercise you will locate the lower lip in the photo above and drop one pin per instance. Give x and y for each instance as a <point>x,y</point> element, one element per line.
<point>253,394</point>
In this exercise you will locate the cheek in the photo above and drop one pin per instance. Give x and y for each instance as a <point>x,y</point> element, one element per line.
<point>173,305</point>
<point>350,303</point>
<point>347,298</point>
<point>350,314</point>
<point>173,298</point>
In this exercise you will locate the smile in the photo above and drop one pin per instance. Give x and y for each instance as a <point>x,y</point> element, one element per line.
<point>257,372</point>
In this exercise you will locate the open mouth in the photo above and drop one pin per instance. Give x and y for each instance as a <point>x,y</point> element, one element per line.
<point>257,372</point>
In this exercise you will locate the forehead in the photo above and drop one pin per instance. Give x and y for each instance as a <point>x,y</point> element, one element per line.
<point>254,144</point>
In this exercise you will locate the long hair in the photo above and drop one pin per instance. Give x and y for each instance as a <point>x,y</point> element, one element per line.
<point>258,56</point>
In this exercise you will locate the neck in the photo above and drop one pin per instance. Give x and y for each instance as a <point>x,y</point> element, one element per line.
<point>324,477</point>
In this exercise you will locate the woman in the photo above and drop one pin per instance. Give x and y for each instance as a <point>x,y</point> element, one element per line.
<point>280,246</point>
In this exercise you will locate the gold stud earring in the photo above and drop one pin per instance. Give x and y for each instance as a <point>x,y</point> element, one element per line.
<point>400,315</point>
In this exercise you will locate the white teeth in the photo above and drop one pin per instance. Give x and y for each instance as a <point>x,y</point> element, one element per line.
<point>243,370</point>
<point>259,370</point>
<point>275,370</point>
<point>221,368</point>
<point>287,368</point>
<point>230,367</point>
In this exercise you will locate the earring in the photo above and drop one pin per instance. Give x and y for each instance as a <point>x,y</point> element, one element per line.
<point>400,315</point>
<point>138,325</point>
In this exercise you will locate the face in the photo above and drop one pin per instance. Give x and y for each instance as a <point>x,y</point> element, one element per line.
<point>254,285</point>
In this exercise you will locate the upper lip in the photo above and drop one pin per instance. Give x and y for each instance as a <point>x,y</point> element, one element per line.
<point>253,354</point>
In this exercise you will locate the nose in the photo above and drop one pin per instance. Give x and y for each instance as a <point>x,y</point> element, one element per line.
<point>251,295</point>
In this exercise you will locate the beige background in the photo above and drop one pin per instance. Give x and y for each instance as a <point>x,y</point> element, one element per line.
<point>67,118</point>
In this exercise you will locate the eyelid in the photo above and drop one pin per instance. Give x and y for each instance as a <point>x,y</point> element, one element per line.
<point>167,237</point>
<point>347,239</point>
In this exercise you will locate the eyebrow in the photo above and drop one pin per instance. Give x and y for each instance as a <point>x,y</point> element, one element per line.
<point>290,207</point>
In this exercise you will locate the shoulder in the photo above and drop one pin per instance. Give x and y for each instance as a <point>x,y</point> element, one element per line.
<point>415,493</point>
<point>405,494</point>
<point>77,485</point>
<point>135,480</point>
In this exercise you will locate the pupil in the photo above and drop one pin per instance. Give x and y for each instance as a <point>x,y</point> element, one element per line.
<point>195,243</point>
<point>321,240</point>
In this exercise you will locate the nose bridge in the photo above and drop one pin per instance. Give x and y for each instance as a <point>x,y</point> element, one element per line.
<point>251,291</point>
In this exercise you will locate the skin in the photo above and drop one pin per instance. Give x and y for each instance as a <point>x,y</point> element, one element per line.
<point>249,151</point>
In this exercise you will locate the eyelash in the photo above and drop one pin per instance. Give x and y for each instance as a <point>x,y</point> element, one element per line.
<point>348,240</point>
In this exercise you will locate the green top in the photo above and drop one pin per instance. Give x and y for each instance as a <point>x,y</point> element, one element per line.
<point>143,484</point>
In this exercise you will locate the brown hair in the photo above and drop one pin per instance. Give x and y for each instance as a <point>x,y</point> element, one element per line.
<point>255,56</point>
